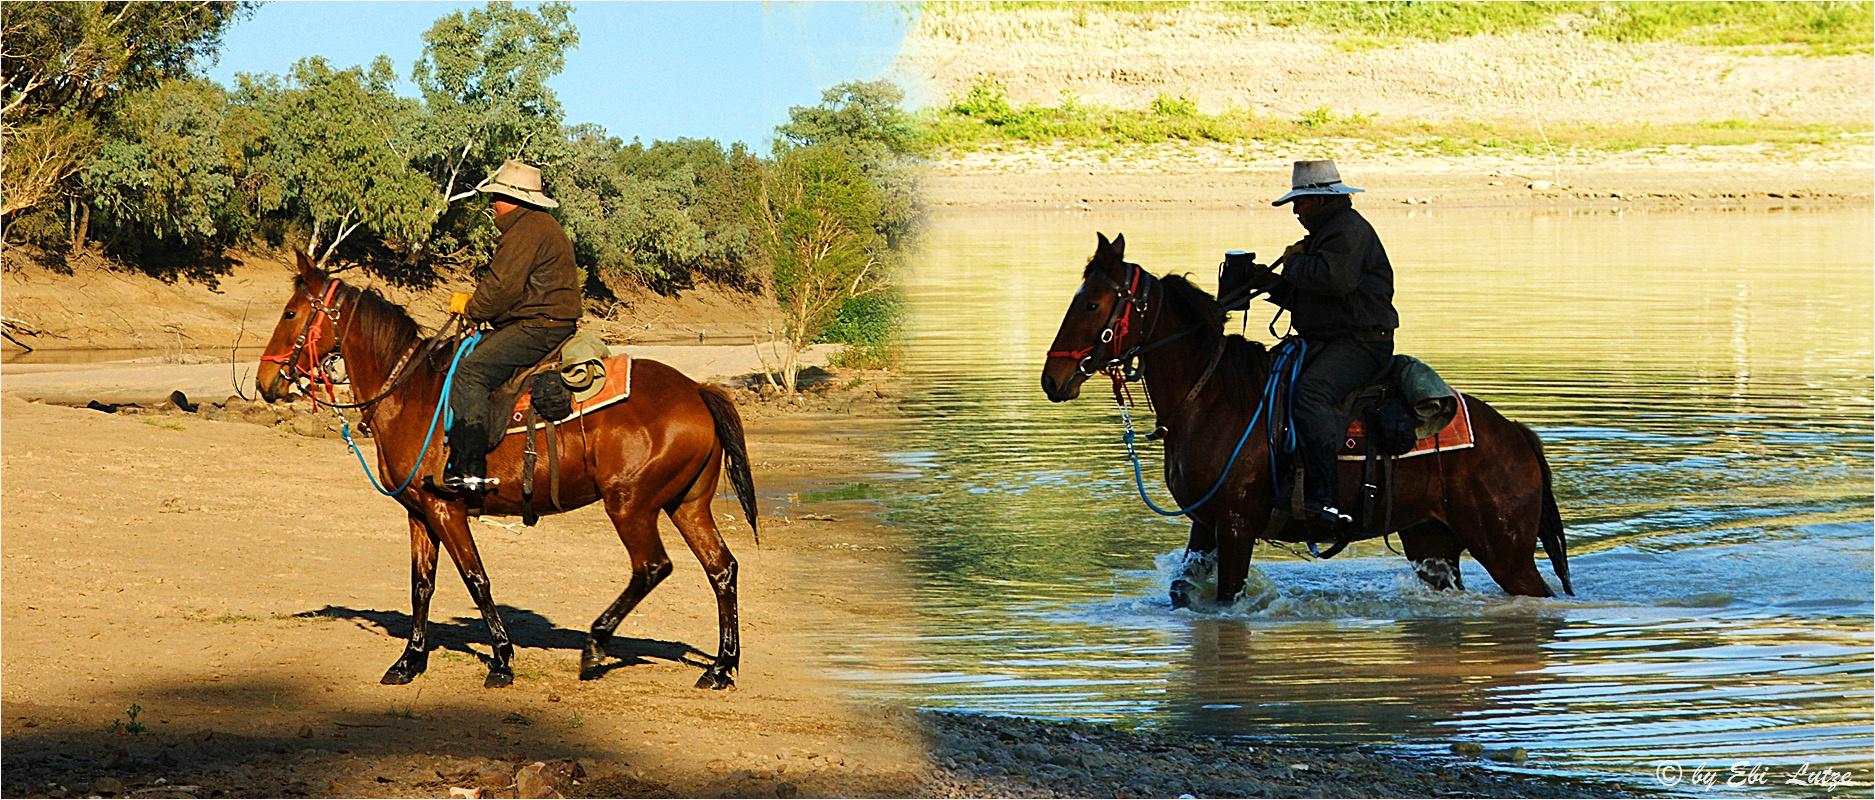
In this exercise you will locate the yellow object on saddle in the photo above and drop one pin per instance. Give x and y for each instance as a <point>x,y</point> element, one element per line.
<point>582,365</point>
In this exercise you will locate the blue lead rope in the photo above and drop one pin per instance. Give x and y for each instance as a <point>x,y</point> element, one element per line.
<point>442,402</point>
<point>1268,401</point>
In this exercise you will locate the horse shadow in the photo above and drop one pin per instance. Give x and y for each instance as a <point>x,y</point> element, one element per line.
<point>526,628</point>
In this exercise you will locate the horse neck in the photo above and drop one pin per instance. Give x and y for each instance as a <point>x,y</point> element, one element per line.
<point>368,361</point>
<point>1171,370</point>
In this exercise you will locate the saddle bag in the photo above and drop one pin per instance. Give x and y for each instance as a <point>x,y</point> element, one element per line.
<point>552,400</point>
<point>1392,424</point>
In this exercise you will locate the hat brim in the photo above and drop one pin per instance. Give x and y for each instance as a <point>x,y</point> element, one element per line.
<point>1339,188</point>
<point>531,198</point>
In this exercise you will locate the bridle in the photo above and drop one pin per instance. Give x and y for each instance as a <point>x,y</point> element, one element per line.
<point>1133,299</point>
<point>318,370</point>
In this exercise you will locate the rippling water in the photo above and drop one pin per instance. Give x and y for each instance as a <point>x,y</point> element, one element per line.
<point>1702,382</point>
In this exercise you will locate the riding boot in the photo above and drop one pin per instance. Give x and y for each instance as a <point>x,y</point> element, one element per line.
<point>468,459</point>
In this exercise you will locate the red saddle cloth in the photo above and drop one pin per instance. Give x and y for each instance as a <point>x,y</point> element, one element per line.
<point>1456,435</point>
<point>618,387</point>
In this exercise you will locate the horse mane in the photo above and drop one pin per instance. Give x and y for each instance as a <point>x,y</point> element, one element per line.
<point>1245,365</point>
<point>385,326</point>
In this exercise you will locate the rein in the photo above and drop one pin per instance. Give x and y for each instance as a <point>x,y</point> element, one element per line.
<point>1132,300</point>
<point>316,372</point>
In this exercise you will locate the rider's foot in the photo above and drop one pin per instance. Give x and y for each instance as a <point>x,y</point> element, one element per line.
<point>1326,516</point>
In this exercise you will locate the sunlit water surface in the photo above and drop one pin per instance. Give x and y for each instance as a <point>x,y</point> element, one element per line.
<point>1702,382</point>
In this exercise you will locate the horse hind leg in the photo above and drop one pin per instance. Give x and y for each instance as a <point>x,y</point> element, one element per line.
<point>416,657</point>
<point>696,521</point>
<point>638,531</point>
<point>1433,550</point>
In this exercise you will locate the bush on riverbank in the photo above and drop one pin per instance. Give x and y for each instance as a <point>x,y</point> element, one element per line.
<point>983,116</point>
<point>1810,28</point>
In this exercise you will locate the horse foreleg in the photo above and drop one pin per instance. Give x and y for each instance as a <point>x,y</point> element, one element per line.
<point>1433,550</point>
<point>1233,558</point>
<point>1201,547</point>
<point>638,531</point>
<point>454,529</point>
<point>416,656</point>
<point>694,518</point>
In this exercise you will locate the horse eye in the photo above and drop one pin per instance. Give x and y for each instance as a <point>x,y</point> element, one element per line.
<point>291,314</point>
<point>1093,306</point>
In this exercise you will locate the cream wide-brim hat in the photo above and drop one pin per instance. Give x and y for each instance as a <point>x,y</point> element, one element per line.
<point>519,181</point>
<point>1315,177</point>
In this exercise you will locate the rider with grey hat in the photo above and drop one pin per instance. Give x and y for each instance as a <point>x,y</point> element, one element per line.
<point>529,294</point>
<point>1337,285</point>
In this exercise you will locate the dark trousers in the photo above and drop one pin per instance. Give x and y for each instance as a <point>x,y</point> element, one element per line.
<point>497,358</point>
<point>1330,370</point>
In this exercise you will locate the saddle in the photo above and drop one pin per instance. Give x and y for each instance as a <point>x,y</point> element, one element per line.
<point>1406,411</point>
<point>574,372</point>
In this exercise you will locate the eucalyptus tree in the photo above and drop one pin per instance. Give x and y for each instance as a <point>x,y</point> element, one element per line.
<point>340,143</point>
<point>63,66</point>
<point>483,77</point>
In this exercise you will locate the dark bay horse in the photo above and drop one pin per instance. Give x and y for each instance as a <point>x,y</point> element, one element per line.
<point>1493,500</point>
<point>662,450</point>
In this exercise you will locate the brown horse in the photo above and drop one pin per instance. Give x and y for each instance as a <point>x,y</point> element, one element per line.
<point>1492,500</point>
<point>660,450</point>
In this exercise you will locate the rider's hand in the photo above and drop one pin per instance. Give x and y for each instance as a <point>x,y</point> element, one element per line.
<point>1262,278</point>
<point>459,303</point>
<point>1292,250</point>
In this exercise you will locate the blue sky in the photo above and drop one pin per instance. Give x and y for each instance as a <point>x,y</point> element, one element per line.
<point>649,70</point>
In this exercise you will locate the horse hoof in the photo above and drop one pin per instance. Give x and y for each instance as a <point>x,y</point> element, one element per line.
<point>591,673</point>
<point>1181,594</point>
<point>499,680</point>
<point>715,680</point>
<point>397,677</point>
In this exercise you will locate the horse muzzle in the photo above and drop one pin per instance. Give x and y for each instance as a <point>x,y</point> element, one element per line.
<point>1061,382</point>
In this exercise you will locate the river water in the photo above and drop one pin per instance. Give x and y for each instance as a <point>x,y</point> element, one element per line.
<point>1702,381</point>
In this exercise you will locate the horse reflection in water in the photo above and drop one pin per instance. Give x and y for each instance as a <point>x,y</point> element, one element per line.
<point>1379,682</point>
<point>1493,500</point>
<point>662,451</point>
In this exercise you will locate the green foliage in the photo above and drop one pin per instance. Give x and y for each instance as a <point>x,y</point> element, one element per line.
<point>66,65</point>
<point>163,171</point>
<point>987,100</point>
<point>1168,106</point>
<point>483,76</point>
<point>1103,127</point>
<point>132,727</point>
<point>869,326</point>
<point>1821,27</point>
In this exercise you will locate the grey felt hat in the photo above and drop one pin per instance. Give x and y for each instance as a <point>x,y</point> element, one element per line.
<point>519,181</point>
<point>1315,177</point>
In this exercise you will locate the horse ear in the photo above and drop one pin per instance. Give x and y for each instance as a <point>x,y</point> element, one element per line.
<point>1119,246</point>
<point>1103,245</point>
<point>307,271</point>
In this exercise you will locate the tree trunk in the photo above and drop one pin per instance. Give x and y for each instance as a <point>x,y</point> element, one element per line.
<point>84,226</point>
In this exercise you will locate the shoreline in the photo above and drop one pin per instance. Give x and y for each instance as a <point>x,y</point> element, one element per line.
<point>1205,176</point>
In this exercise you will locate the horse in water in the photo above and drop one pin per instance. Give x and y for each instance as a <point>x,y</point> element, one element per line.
<point>1492,500</point>
<point>659,451</point>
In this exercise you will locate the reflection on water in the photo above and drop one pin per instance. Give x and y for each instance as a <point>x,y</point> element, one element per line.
<point>1705,400</point>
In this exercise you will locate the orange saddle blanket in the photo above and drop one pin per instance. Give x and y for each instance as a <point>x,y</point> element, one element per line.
<point>617,388</point>
<point>1456,435</point>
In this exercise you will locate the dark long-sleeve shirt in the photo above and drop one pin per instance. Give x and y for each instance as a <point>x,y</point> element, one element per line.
<point>532,279</point>
<point>1341,284</point>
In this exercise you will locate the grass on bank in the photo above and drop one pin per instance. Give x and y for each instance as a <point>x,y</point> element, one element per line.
<point>1816,28</point>
<point>983,117</point>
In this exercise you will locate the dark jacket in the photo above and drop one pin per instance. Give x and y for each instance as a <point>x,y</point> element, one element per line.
<point>532,279</point>
<point>1341,284</point>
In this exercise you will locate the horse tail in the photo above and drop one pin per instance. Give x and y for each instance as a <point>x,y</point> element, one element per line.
<point>1549,529</point>
<point>735,449</point>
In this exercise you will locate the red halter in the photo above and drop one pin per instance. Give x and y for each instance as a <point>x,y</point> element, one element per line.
<point>307,343</point>
<point>1118,325</point>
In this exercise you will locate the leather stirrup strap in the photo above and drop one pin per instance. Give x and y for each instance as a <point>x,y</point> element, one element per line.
<point>528,517</point>
<point>553,464</point>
